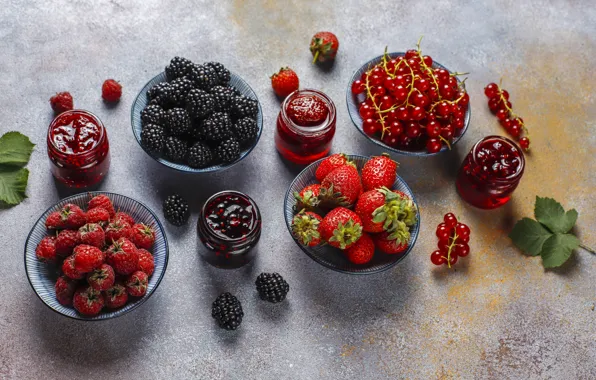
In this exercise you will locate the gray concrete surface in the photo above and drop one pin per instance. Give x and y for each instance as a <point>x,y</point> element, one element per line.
<point>498,315</point>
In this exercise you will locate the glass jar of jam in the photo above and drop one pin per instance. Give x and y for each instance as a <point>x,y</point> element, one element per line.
<point>78,148</point>
<point>229,226</point>
<point>490,172</point>
<point>305,126</point>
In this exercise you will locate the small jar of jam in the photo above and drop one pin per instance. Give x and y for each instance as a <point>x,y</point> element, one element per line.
<point>78,148</point>
<point>229,227</point>
<point>490,172</point>
<point>305,126</point>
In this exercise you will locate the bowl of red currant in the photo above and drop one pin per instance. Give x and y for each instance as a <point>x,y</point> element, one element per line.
<point>408,103</point>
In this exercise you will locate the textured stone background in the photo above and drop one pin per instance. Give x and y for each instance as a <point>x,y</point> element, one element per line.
<point>499,315</point>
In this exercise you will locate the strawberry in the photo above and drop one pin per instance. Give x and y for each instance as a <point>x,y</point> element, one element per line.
<point>136,284</point>
<point>305,228</point>
<point>116,230</point>
<point>87,258</point>
<point>46,249</point>
<point>101,201</point>
<point>122,256</point>
<point>385,210</point>
<point>341,228</point>
<point>116,296</point>
<point>362,251</point>
<point>284,82</point>
<point>102,278</point>
<point>379,171</point>
<point>98,215</point>
<point>54,221</point>
<point>307,198</point>
<point>65,288</point>
<point>92,234</point>
<point>329,164</point>
<point>68,268</point>
<point>391,245</point>
<point>66,241</point>
<point>123,217</point>
<point>72,216</point>
<point>323,46</point>
<point>88,301</point>
<point>341,187</point>
<point>142,236</point>
<point>146,261</point>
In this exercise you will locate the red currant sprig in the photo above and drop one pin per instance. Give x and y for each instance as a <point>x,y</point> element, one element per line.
<point>453,241</point>
<point>500,105</point>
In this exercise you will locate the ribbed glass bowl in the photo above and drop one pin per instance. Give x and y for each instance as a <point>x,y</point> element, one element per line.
<point>42,276</point>
<point>141,102</point>
<point>354,101</point>
<point>331,257</point>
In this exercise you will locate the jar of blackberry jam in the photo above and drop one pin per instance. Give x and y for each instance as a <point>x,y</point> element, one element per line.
<point>305,126</point>
<point>78,148</point>
<point>229,226</point>
<point>491,172</point>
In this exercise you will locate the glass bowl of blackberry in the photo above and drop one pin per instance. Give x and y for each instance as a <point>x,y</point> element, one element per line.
<point>197,118</point>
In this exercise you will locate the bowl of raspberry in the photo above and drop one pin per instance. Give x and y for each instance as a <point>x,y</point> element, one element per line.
<point>409,104</point>
<point>197,118</point>
<point>352,214</point>
<point>96,255</point>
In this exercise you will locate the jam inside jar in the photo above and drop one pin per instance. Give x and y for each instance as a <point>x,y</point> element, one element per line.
<point>78,148</point>
<point>229,226</point>
<point>305,126</point>
<point>490,172</point>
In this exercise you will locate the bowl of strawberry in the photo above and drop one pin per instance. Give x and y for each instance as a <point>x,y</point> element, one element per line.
<point>352,214</point>
<point>96,256</point>
<point>408,103</point>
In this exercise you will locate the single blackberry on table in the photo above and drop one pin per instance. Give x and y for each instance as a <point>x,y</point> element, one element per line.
<point>223,74</point>
<point>246,130</point>
<point>180,88</point>
<point>153,137</point>
<point>199,155</point>
<point>199,103</point>
<point>178,121</point>
<point>272,287</point>
<point>203,77</point>
<point>153,114</point>
<point>177,68</point>
<point>243,106</point>
<point>223,98</point>
<point>175,210</point>
<point>228,151</point>
<point>175,149</point>
<point>217,127</point>
<point>227,311</point>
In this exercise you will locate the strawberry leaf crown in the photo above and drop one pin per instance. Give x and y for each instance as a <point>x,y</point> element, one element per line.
<point>329,199</point>
<point>398,214</point>
<point>346,234</point>
<point>305,227</point>
<point>308,201</point>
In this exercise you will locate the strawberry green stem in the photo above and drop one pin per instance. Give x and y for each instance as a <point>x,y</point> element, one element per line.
<point>316,57</point>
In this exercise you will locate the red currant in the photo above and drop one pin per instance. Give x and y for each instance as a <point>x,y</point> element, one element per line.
<point>450,220</point>
<point>391,115</point>
<point>418,113</point>
<point>422,84</point>
<point>442,75</point>
<point>437,258</point>
<point>458,123</point>
<point>400,93</point>
<point>433,145</point>
<point>452,259</point>
<point>446,91</point>
<point>491,90</point>
<point>462,250</point>
<point>402,113</point>
<point>420,100</point>
<point>443,109</point>
<point>502,114</point>
<point>447,132</point>
<point>433,129</point>
<point>366,111</point>
<point>505,94</point>
<point>428,61</point>
<point>442,231</point>
<point>396,128</point>
<point>390,139</point>
<point>524,142</point>
<point>411,54</point>
<point>465,99</point>
<point>404,140</point>
<point>462,230</point>
<point>358,87</point>
<point>371,126</point>
<point>413,130</point>
<point>443,245</point>
<point>389,84</point>
<point>386,102</point>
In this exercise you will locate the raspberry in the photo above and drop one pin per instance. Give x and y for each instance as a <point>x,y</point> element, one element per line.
<point>122,256</point>
<point>98,215</point>
<point>65,288</point>
<point>66,241</point>
<point>61,102</point>
<point>146,261</point>
<point>88,301</point>
<point>54,221</point>
<point>116,230</point>
<point>123,217</point>
<point>72,216</point>
<point>87,258</point>
<point>46,249</point>
<point>111,91</point>
<point>102,278</point>
<point>69,270</point>
<point>116,296</point>
<point>92,234</point>
<point>136,284</point>
<point>142,236</point>
<point>101,201</point>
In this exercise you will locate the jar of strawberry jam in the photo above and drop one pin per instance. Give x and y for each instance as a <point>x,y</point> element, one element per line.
<point>305,126</point>
<point>490,172</point>
<point>230,227</point>
<point>78,148</point>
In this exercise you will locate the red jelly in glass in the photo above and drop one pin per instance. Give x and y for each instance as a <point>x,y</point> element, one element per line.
<point>78,148</point>
<point>305,126</point>
<point>229,227</point>
<point>490,172</point>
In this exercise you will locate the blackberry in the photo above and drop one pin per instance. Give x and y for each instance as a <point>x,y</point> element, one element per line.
<point>223,98</point>
<point>227,311</point>
<point>158,90</point>
<point>153,138</point>
<point>228,151</point>
<point>175,149</point>
<point>178,121</point>
<point>243,106</point>
<point>199,104</point>
<point>153,114</point>
<point>179,89</point>
<point>196,131</point>
<point>177,68</point>
<point>175,210</point>
<point>223,74</point>
<point>234,90</point>
<point>272,287</point>
<point>203,77</point>
<point>217,127</point>
<point>246,130</point>
<point>199,155</point>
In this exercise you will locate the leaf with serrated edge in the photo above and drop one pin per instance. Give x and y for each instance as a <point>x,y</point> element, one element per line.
<point>557,249</point>
<point>550,213</point>
<point>13,183</point>
<point>15,149</point>
<point>529,236</point>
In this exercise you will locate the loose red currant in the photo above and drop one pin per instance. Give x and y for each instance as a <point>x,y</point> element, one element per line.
<point>524,142</point>
<point>450,220</point>
<point>462,250</point>
<point>358,87</point>
<point>491,90</point>
<point>437,258</point>
<point>433,145</point>
<point>442,231</point>
<point>462,230</point>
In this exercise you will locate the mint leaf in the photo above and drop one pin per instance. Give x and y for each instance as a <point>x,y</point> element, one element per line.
<point>550,213</point>
<point>13,183</point>
<point>529,236</point>
<point>15,149</point>
<point>557,249</point>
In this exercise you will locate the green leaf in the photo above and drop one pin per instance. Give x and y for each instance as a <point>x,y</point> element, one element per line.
<point>13,183</point>
<point>550,213</point>
<point>557,249</point>
<point>15,149</point>
<point>529,236</point>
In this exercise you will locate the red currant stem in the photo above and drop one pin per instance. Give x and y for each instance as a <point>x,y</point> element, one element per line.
<point>426,68</point>
<point>592,251</point>
<point>446,142</point>
<point>450,248</point>
<point>314,60</point>
<point>456,73</point>
<point>372,98</point>
<point>385,56</point>
<point>512,115</point>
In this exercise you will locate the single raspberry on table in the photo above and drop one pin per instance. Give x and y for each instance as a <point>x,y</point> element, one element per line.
<point>101,201</point>
<point>87,258</point>
<point>46,249</point>
<point>68,268</point>
<point>136,284</point>
<point>102,278</point>
<point>88,301</point>
<point>116,296</point>
<point>111,91</point>
<point>66,241</point>
<point>61,102</point>
<point>146,261</point>
<point>98,215</point>
<point>142,236</point>
<point>65,288</point>
<point>122,256</point>
<point>92,234</point>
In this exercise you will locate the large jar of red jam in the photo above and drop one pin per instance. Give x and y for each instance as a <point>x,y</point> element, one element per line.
<point>78,148</point>
<point>229,227</point>
<point>490,172</point>
<point>305,126</point>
